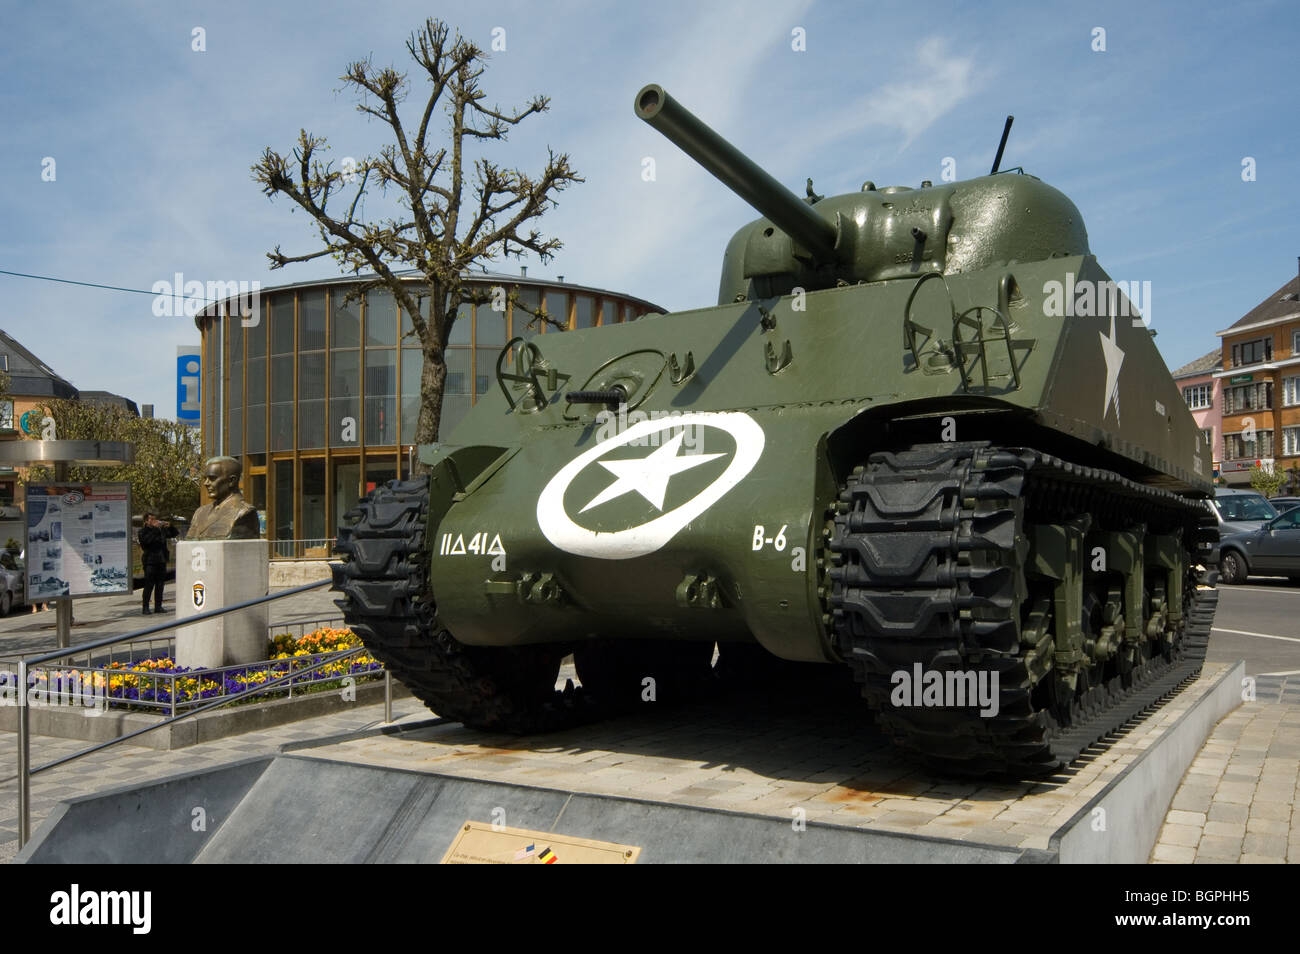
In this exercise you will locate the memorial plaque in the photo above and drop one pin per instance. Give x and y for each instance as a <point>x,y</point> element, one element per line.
<point>482,844</point>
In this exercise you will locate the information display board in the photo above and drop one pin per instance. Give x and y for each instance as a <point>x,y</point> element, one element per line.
<point>78,540</point>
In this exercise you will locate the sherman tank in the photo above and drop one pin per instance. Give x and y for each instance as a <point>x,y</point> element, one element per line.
<point>922,435</point>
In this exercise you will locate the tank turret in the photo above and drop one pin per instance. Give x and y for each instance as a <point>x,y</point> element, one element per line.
<point>873,234</point>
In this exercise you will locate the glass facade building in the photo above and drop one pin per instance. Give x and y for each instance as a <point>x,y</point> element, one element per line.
<point>319,399</point>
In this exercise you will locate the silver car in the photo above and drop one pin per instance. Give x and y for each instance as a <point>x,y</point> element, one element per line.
<point>1237,511</point>
<point>1271,550</point>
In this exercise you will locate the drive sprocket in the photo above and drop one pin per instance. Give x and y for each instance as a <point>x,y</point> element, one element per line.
<point>388,603</point>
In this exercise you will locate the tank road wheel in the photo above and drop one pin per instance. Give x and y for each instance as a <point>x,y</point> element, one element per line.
<point>1232,568</point>
<point>384,579</point>
<point>952,566</point>
<point>622,674</point>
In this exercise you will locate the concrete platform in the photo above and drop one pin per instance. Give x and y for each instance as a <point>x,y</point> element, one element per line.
<point>792,781</point>
<point>341,813</point>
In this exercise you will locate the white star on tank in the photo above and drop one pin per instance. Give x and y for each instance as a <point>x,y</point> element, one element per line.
<point>649,475</point>
<point>1114,359</point>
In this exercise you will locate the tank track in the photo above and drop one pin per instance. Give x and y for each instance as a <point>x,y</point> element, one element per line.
<point>927,552</point>
<point>387,602</point>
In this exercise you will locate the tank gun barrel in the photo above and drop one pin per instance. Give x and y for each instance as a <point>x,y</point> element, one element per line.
<point>737,172</point>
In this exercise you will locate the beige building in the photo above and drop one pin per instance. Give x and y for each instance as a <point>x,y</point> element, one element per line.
<point>1261,387</point>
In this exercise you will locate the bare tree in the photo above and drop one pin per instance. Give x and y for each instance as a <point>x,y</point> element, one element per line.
<point>446,230</point>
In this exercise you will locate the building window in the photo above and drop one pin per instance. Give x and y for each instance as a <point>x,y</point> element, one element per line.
<point>1295,344</point>
<point>1252,352</point>
<point>523,312</point>
<point>381,319</point>
<point>1208,434</point>
<point>6,415</point>
<point>1249,397</point>
<point>1290,391</point>
<point>1291,442</point>
<point>235,394</point>
<point>312,320</point>
<point>343,427</point>
<point>412,368</point>
<point>1236,447</point>
<point>1197,396</point>
<point>381,394</point>
<point>345,398</point>
<point>4,362</point>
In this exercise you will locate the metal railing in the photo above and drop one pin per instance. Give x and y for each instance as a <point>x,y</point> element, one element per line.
<point>128,652</point>
<point>301,627</point>
<point>103,688</point>
<point>133,651</point>
<point>313,548</point>
<point>26,771</point>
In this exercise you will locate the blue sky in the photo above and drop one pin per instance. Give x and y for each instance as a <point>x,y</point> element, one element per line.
<point>153,141</point>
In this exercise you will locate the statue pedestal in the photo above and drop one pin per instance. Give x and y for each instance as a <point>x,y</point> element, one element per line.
<point>211,574</point>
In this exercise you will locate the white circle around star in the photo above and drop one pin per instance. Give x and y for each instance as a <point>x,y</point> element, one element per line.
<point>648,476</point>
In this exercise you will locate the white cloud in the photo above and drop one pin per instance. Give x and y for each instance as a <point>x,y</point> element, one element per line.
<point>938,79</point>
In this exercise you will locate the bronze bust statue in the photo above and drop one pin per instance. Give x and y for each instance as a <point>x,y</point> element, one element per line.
<point>228,516</point>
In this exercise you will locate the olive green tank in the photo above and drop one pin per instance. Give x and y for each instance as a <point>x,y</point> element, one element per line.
<point>922,435</point>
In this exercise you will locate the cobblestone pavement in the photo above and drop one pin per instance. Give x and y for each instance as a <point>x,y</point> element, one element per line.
<point>1240,799</point>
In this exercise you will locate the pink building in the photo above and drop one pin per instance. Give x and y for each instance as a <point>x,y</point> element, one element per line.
<point>1203,393</point>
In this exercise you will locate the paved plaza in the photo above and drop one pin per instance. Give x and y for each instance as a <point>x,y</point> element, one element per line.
<point>1240,799</point>
<point>786,756</point>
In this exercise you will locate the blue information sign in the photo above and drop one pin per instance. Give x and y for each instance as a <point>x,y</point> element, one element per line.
<point>187,384</point>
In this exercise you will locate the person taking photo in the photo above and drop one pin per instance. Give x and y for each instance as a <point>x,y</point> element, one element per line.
<point>153,538</point>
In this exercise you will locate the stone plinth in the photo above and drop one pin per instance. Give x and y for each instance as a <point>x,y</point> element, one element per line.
<point>211,574</point>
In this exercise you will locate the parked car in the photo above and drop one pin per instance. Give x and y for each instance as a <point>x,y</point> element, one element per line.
<point>1271,550</point>
<point>1238,511</point>
<point>13,583</point>
<point>1241,510</point>
<point>1283,504</point>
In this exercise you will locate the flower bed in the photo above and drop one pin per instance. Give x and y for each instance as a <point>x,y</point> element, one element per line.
<point>149,684</point>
